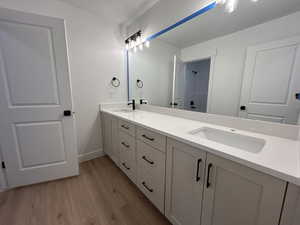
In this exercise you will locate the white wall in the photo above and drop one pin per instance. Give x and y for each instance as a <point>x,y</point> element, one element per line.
<point>231,55</point>
<point>95,55</point>
<point>154,66</point>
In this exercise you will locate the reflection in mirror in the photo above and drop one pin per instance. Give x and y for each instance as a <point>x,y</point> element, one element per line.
<point>230,64</point>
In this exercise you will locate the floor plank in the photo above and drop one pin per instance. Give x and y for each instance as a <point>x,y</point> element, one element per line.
<point>101,195</point>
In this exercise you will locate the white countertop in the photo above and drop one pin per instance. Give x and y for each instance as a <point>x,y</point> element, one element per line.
<point>279,157</point>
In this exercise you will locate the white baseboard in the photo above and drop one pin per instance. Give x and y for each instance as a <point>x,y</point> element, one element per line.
<point>90,155</point>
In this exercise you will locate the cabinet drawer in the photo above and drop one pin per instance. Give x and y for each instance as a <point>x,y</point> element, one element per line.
<point>129,168</point>
<point>127,146</point>
<point>128,165</point>
<point>150,158</point>
<point>152,185</point>
<point>156,140</point>
<point>127,127</point>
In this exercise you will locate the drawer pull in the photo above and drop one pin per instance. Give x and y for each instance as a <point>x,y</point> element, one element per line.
<point>145,185</point>
<point>148,138</point>
<point>147,160</point>
<point>198,168</point>
<point>126,145</point>
<point>208,184</point>
<point>125,127</point>
<point>124,164</point>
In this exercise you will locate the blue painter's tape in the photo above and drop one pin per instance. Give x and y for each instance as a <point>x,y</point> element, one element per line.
<point>184,20</point>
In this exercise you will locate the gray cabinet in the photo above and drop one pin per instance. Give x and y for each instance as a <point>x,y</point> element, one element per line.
<point>235,194</point>
<point>106,133</point>
<point>184,183</point>
<point>203,189</point>
<point>291,208</point>
<point>110,136</point>
<point>194,187</point>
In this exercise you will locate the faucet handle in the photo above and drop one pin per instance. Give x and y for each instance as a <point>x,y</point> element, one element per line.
<point>143,101</point>
<point>131,102</point>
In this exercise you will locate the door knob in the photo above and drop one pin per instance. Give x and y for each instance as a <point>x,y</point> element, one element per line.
<point>243,108</point>
<point>67,113</point>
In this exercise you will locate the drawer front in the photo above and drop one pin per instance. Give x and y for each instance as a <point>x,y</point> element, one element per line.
<point>150,158</point>
<point>152,185</point>
<point>128,166</point>
<point>127,155</point>
<point>156,140</point>
<point>127,127</point>
<point>127,146</point>
<point>151,173</point>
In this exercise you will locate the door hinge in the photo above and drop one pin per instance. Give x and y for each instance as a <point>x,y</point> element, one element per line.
<point>3,165</point>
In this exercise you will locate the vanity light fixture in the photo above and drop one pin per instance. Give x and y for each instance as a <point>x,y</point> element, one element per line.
<point>141,46</point>
<point>147,44</point>
<point>230,5</point>
<point>127,44</point>
<point>136,42</point>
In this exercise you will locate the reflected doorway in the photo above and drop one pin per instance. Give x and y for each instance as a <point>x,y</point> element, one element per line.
<point>192,85</point>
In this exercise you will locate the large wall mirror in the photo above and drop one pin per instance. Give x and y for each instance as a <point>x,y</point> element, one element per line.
<point>245,63</point>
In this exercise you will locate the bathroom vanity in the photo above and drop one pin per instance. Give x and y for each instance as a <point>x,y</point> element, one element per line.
<point>196,172</point>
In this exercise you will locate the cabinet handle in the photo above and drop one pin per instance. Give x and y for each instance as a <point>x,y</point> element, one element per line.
<point>198,168</point>
<point>208,184</point>
<point>125,127</point>
<point>147,160</point>
<point>145,185</point>
<point>124,144</point>
<point>148,138</point>
<point>124,164</point>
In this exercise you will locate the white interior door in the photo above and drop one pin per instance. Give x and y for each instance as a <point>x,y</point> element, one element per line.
<point>37,141</point>
<point>271,80</point>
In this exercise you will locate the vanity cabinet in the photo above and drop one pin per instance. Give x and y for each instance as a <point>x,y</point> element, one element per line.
<point>227,194</point>
<point>193,187</point>
<point>185,168</point>
<point>291,208</point>
<point>110,136</point>
<point>235,194</point>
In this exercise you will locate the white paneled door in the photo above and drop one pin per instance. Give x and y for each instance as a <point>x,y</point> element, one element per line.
<point>37,136</point>
<point>271,80</point>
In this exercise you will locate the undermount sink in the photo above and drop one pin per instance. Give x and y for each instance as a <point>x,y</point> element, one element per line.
<point>125,110</point>
<point>231,138</point>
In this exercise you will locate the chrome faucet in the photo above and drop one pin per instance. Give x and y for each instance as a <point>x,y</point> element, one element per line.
<point>132,103</point>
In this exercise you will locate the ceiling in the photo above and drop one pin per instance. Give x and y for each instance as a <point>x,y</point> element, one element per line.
<point>121,10</point>
<point>217,22</point>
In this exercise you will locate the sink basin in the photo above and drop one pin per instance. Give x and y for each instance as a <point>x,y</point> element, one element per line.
<point>125,110</point>
<point>231,138</point>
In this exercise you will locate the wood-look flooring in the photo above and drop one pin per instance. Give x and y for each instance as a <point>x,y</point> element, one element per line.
<point>101,195</point>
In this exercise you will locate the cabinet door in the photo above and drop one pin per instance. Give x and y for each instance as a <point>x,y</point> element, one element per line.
<point>235,194</point>
<point>184,183</point>
<point>291,208</point>
<point>107,137</point>
<point>115,150</point>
